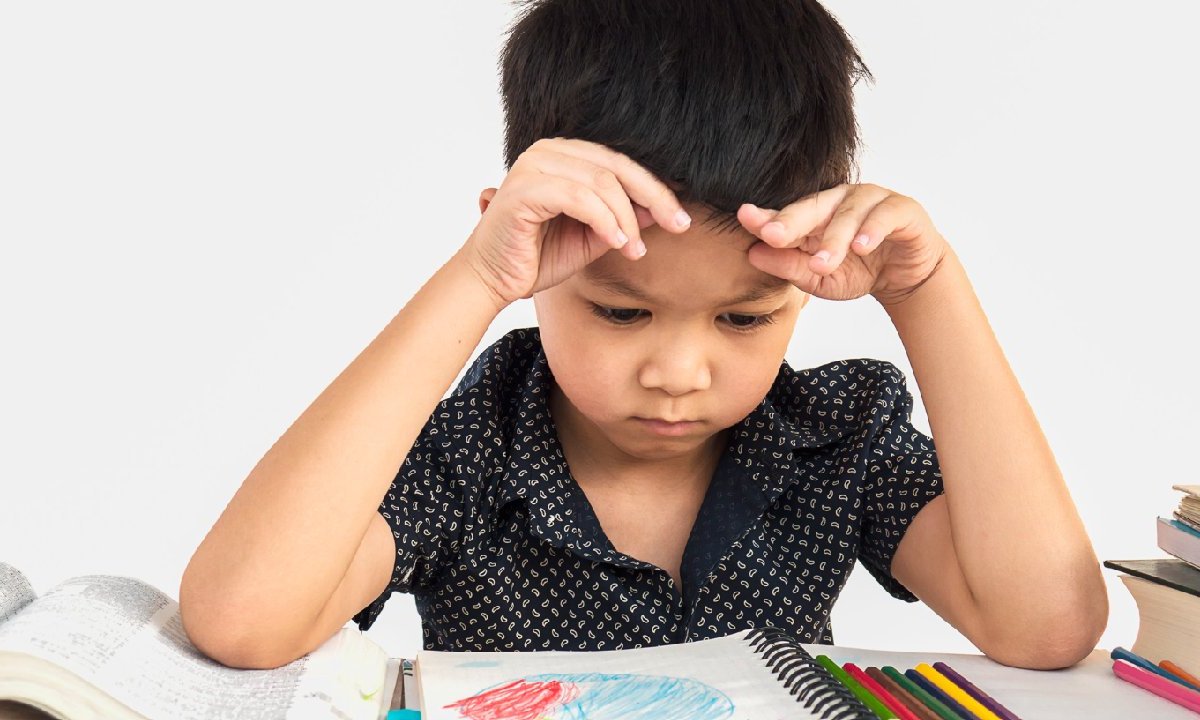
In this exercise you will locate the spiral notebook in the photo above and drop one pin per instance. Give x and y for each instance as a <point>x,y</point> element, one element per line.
<point>760,673</point>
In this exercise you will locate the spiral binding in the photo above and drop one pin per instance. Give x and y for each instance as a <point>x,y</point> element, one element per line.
<point>813,686</point>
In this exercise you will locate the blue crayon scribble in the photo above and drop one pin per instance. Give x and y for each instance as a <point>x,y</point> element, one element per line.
<point>606,696</point>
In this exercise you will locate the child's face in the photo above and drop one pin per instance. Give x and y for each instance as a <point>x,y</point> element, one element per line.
<point>679,355</point>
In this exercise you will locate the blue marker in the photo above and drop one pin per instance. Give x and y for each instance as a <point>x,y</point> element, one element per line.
<point>1120,653</point>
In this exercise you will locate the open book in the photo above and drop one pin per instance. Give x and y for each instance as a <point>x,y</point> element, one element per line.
<point>103,646</point>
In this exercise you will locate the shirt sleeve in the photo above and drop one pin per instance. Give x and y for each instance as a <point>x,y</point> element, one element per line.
<point>903,475</point>
<point>424,507</point>
<point>437,498</point>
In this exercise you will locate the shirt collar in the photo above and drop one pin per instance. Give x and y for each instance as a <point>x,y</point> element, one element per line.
<point>761,448</point>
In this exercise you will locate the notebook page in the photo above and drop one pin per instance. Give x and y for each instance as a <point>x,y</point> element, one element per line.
<point>719,678</point>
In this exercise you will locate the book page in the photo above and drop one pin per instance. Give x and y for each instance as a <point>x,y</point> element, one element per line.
<point>15,591</point>
<point>717,678</point>
<point>126,638</point>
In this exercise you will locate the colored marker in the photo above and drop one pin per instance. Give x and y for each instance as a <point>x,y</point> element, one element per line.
<point>859,691</point>
<point>1120,653</point>
<point>910,701</point>
<point>919,692</point>
<point>987,700</point>
<point>1172,667</point>
<point>875,689</point>
<point>935,691</point>
<point>960,696</point>
<point>1158,685</point>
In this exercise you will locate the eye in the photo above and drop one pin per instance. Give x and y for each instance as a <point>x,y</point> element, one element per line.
<point>747,323</point>
<point>616,316</point>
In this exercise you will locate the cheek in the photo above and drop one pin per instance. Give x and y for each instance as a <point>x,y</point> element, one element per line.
<point>745,386</point>
<point>748,374</point>
<point>581,364</point>
<point>589,379</point>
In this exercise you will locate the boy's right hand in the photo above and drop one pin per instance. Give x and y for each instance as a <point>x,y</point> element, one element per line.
<point>564,203</point>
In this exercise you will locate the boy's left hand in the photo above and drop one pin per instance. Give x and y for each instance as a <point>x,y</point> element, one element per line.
<point>811,243</point>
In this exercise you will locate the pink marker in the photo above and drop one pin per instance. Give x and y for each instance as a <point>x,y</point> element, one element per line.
<point>1158,685</point>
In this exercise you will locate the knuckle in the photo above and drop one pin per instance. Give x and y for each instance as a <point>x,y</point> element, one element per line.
<point>844,210</point>
<point>605,179</point>
<point>577,193</point>
<point>625,166</point>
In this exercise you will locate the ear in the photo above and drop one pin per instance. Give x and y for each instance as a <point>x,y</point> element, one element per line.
<point>804,298</point>
<point>485,199</point>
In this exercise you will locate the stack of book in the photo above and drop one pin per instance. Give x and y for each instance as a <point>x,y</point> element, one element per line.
<point>1167,593</point>
<point>1179,535</point>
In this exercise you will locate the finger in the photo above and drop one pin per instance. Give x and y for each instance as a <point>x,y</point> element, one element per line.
<point>564,196</point>
<point>644,218</point>
<point>753,218</point>
<point>640,184</point>
<point>603,183</point>
<point>844,226</point>
<point>791,264</point>
<point>884,219</point>
<point>797,220</point>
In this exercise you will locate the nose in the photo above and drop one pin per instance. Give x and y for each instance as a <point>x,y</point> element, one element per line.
<point>677,366</point>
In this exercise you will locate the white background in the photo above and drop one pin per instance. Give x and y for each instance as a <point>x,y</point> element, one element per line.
<point>208,210</point>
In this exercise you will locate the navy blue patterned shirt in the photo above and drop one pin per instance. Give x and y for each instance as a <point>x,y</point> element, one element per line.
<point>502,550</point>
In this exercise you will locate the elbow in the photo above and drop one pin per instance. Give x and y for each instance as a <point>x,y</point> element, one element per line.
<point>210,627</point>
<point>1047,652</point>
<point>1055,637</point>
<point>243,652</point>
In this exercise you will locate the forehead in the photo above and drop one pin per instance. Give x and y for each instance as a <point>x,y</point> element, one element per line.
<point>693,268</point>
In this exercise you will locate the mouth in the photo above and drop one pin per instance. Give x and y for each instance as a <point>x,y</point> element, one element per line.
<point>666,427</point>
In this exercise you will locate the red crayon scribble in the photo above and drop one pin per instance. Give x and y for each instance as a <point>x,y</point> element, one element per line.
<point>517,700</point>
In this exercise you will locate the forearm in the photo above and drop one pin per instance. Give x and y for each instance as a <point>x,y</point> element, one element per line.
<point>287,537</point>
<point>1020,542</point>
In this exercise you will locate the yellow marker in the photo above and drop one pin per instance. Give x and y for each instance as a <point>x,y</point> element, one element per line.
<point>959,695</point>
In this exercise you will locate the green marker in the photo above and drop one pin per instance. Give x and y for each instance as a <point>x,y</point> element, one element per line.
<point>881,711</point>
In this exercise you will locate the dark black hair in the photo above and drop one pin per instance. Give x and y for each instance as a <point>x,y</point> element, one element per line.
<point>726,101</point>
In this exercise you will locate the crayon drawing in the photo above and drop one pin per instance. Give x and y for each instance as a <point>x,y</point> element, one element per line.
<point>596,696</point>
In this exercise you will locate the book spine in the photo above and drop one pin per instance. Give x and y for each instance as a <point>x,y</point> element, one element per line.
<point>804,678</point>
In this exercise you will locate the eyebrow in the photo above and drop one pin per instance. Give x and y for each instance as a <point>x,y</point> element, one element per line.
<point>765,288</point>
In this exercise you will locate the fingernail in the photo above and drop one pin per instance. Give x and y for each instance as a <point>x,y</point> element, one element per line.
<point>862,240</point>
<point>822,255</point>
<point>640,248</point>
<point>773,225</point>
<point>622,238</point>
<point>682,219</point>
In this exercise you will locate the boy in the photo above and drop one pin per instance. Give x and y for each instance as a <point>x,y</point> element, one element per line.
<point>643,467</point>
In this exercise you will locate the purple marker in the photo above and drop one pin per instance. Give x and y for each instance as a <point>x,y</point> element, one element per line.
<point>984,699</point>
